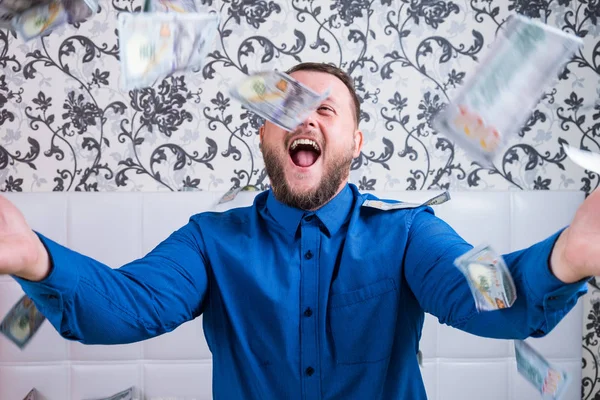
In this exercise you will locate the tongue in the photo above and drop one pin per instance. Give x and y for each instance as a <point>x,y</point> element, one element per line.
<point>304,158</point>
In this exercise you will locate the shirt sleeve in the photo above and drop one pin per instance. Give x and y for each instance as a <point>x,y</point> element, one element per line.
<point>88,301</point>
<point>442,290</point>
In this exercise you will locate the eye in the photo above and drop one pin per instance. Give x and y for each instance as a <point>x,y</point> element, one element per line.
<point>325,108</point>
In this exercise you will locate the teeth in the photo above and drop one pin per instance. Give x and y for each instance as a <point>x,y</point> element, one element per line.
<point>305,141</point>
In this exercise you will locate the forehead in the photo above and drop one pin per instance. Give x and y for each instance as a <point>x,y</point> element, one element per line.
<point>321,81</point>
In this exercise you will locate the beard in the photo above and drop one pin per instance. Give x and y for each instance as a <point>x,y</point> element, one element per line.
<point>335,172</point>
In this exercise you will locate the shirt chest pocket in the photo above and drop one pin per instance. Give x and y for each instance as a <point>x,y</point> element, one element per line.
<point>362,323</point>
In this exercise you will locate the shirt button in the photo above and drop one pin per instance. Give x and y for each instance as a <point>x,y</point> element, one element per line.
<point>309,218</point>
<point>310,371</point>
<point>307,312</point>
<point>308,255</point>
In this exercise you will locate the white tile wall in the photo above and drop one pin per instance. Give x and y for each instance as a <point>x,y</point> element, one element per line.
<point>118,227</point>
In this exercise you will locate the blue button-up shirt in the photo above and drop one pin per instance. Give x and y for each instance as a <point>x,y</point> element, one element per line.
<point>300,305</point>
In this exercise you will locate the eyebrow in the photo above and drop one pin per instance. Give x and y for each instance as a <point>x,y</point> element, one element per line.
<point>331,99</point>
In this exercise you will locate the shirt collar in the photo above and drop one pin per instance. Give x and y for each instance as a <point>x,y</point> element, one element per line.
<point>332,215</point>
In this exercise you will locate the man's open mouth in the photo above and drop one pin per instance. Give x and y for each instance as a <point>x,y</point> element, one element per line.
<point>304,152</point>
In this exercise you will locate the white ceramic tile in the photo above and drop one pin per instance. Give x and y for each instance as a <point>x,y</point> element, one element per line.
<point>51,224</point>
<point>523,390</point>
<point>429,371</point>
<point>106,226</point>
<point>187,342</point>
<point>189,380</point>
<point>164,213</point>
<point>454,343</point>
<point>428,343</point>
<point>109,226</point>
<point>45,345</point>
<point>563,341</point>
<point>104,380</point>
<point>473,380</point>
<point>36,206</point>
<point>51,381</point>
<point>480,218</point>
<point>84,352</point>
<point>539,214</point>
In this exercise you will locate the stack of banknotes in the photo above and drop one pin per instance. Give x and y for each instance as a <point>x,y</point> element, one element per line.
<point>171,36</point>
<point>33,18</point>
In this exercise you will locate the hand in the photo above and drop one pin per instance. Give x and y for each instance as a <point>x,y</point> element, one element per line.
<point>21,251</point>
<point>576,254</point>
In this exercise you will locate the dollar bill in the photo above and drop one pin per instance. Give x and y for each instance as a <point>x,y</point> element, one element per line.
<point>277,97</point>
<point>127,394</point>
<point>165,6</point>
<point>382,205</point>
<point>22,322</point>
<point>496,101</point>
<point>550,381</point>
<point>488,277</point>
<point>233,192</point>
<point>32,395</point>
<point>585,159</point>
<point>40,19</point>
<point>155,45</point>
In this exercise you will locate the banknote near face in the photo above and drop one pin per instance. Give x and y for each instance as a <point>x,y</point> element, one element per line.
<point>22,322</point>
<point>278,97</point>
<point>155,45</point>
<point>551,382</point>
<point>32,395</point>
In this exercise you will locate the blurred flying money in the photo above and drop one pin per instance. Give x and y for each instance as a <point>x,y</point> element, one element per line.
<point>382,205</point>
<point>42,18</point>
<point>155,45</point>
<point>233,192</point>
<point>489,279</point>
<point>278,97</point>
<point>178,6</point>
<point>127,394</point>
<point>550,381</point>
<point>497,100</point>
<point>585,159</point>
<point>32,395</point>
<point>22,322</point>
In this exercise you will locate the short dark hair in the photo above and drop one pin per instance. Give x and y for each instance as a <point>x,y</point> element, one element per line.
<point>338,73</point>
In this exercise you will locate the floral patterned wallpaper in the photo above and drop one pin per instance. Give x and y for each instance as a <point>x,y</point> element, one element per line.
<point>66,124</point>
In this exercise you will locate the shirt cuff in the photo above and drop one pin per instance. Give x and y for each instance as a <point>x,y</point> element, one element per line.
<point>557,297</point>
<point>61,281</point>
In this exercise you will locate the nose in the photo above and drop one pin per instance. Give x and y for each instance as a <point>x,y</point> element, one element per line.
<point>309,122</point>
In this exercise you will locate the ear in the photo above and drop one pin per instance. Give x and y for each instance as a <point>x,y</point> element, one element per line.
<point>261,133</point>
<point>358,143</point>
